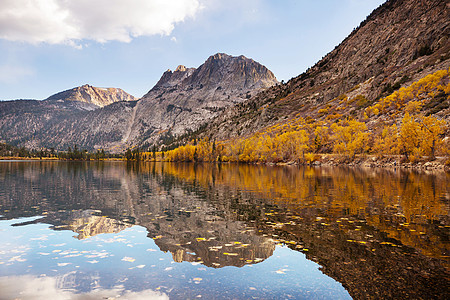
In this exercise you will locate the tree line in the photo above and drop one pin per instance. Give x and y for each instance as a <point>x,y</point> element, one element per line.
<point>72,153</point>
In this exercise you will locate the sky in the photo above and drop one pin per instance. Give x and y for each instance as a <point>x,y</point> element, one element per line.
<point>47,46</point>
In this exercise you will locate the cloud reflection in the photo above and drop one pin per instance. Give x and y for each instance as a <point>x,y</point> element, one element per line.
<point>32,287</point>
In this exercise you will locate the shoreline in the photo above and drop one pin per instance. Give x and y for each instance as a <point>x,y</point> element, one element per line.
<point>54,159</point>
<point>324,160</point>
<point>387,162</point>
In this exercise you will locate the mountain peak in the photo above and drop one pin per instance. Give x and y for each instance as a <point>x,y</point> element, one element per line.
<point>238,72</point>
<point>94,95</point>
<point>181,68</point>
<point>219,56</point>
<point>220,71</point>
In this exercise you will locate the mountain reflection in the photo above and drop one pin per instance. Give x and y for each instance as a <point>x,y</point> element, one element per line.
<point>380,233</point>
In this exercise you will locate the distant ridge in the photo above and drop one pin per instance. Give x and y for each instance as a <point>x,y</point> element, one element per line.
<point>93,95</point>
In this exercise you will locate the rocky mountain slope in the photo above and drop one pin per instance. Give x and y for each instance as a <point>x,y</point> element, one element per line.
<point>94,95</point>
<point>27,122</point>
<point>180,102</point>
<point>187,98</point>
<point>399,43</point>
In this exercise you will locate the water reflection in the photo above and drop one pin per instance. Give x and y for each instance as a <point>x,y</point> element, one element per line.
<point>380,233</point>
<point>33,287</point>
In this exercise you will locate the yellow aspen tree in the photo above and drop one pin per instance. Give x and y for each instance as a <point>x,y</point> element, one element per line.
<point>349,138</point>
<point>409,138</point>
<point>431,130</point>
<point>301,141</point>
<point>321,138</point>
<point>386,142</point>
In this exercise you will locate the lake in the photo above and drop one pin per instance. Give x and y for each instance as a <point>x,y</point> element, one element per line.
<point>93,230</point>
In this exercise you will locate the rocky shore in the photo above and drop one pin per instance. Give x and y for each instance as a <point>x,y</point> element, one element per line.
<point>371,161</point>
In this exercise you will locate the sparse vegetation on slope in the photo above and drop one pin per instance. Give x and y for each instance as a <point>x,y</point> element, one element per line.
<point>400,43</point>
<point>405,128</point>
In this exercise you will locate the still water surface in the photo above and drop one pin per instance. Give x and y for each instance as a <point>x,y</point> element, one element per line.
<point>73,230</point>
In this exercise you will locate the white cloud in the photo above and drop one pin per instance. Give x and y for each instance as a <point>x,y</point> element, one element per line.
<point>66,21</point>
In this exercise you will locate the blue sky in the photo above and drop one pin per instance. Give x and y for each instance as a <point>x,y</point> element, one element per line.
<point>52,45</point>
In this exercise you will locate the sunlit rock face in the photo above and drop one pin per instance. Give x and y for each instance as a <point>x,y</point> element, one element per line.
<point>93,95</point>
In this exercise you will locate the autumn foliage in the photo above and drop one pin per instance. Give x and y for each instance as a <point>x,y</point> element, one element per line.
<point>406,131</point>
